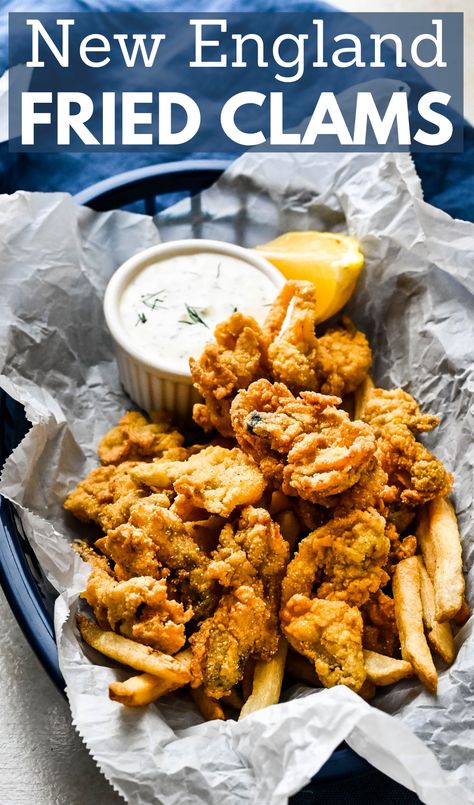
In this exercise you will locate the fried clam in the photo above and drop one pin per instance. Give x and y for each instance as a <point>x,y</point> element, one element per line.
<point>218,479</point>
<point>342,560</point>
<point>106,495</point>
<point>249,564</point>
<point>345,358</point>
<point>289,332</point>
<point>233,361</point>
<point>329,633</point>
<point>137,439</point>
<point>305,443</point>
<point>396,407</point>
<point>335,363</point>
<point>415,475</point>
<point>138,608</point>
<point>156,538</point>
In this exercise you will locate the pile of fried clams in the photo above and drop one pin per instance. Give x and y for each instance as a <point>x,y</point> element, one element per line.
<point>291,520</point>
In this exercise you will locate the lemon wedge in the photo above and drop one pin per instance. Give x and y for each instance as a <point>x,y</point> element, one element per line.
<point>330,260</point>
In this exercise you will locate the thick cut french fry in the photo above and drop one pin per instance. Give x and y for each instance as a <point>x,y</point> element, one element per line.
<point>382,670</point>
<point>209,708</point>
<point>247,679</point>
<point>267,681</point>
<point>462,616</point>
<point>140,690</point>
<point>136,655</point>
<point>302,669</point>
<point>440,544</point>
<point>361,395</point>
<point>440,635</point>
<point>409,616</point>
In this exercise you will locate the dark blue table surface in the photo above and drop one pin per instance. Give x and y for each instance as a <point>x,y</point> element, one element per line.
<point>447,181</point>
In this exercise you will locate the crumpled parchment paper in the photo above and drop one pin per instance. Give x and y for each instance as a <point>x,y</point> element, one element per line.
<point>414,300</point>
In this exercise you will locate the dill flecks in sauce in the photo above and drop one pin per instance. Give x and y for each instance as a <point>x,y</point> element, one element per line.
<point>170,308</point>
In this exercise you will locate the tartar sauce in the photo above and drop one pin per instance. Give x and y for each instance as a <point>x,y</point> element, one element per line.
<point>170,308</point>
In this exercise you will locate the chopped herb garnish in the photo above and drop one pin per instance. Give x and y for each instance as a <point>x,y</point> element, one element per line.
<point>194,317</point>
<point>141,319</point>
<point>153,300</point>
<point>235,310</point>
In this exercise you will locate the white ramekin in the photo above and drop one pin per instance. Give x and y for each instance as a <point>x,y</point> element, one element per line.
<point>150,380</point>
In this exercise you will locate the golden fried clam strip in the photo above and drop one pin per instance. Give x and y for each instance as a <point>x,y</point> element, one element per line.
<point>304,442</point>
<point>330,460</point>
<point>233,361</point>
<point>218,479</point>
<point>138,608</point>
<point>135,439</point>
<point>415,475</point>
<point>250,562</point>
<point>335,363</point>
<point>106,495</point>
<point>345,358</point>
<point>289,332</point>
<point>157,536</point>
<point>223,643</point>
<point>395,407</point>
<point>329,633</point>
<point>342,560</point>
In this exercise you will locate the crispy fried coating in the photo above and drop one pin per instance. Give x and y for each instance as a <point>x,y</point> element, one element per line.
<point>399,548</point>
<point>255,555</point>
<point>325,451</point>
<point>380,625</point>
<point>342,560</point>
<point>218,479</point>
<point>415,475</point>
<point>106,495</point>
<point>367,493</point>
<point>233,361</point>
<point>329,633</point>
<point>289,332</point>
<point>345,358</point>
<point>156,538</point>
<point>396,407</point>
<point>329,460</point>
<point>136,439</point>
<point>222,645</point>
<point>249,562</point>
<point>335,363</point>
<point>138,608</point>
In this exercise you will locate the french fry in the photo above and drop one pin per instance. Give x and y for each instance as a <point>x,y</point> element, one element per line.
<point>440,635</point>
<point>462,616</point>
<point>440,543</point>
<point>267,681</point>
<point>140,690</point>
<point>247,679</point>
<point>382,670</point>
<point>302,669</point>
<point>409,617</point>
<point>136,655</point>
<point>209,708</point>
<point>289,526</point>
<point>368,690</point>
<point>279,501</point>
<point>361,395</point>
<point>233,700</point>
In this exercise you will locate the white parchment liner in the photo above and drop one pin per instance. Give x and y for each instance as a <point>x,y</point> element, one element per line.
<point>415,301</point>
